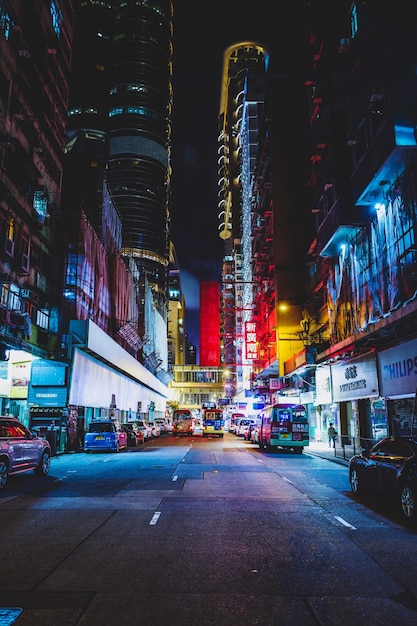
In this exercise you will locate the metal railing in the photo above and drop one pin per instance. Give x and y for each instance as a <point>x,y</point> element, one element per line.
<point>347,446</point>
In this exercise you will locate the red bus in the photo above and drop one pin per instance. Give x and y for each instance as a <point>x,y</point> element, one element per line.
<point>182,422</point>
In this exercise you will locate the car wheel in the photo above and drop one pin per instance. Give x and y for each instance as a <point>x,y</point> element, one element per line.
<point>408,501</point>
<point>42,469</point>
<point>354,481</point>
<point>4,473</point>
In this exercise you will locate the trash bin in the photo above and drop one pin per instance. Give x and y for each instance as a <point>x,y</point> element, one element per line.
<point>52,437</point>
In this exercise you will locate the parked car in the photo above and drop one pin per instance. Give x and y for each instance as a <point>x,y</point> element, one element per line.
<point>234,421</point>
<point>388,469</point>
<point>21,450</point>
<point>144,428</point>
<point>247,431</point>
<point>155,429</point>
<point>134,434</point>
<point>243,426</point>
<point>164,424</point>
<point>104,435</point>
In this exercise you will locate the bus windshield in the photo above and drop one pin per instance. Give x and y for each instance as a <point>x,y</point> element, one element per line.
<point>213,422</point>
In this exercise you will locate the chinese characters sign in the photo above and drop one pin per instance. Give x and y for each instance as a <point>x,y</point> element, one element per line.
<point>250,341</point>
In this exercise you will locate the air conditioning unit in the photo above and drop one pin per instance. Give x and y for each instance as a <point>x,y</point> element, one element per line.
<point>9,247</point>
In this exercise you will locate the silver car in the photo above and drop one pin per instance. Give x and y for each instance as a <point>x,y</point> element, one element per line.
<point>21,450</point>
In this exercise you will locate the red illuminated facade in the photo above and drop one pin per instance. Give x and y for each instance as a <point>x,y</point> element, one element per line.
<point>209,323</point>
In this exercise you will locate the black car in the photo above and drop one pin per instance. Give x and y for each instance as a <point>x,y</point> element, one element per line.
<point>134,435</point>
<point>388,469</point>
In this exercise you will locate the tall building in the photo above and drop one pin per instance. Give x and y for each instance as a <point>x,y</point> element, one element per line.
<point>120,130</point>
<point>361,313</point>
<point>139,139</point>
<point>116,207</point>
<point>245,66</point>
<point>85,108</point>
<point>35,57</point>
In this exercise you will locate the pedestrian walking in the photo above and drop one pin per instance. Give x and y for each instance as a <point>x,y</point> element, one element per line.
<point>331,435</point>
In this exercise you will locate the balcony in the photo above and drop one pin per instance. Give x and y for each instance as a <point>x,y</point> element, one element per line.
<point>341,224</point>
<point>382,163</point>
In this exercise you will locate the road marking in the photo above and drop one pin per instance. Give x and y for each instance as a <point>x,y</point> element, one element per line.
<point>344,522</point>
<point>155,518</point>
<point>174,479</point>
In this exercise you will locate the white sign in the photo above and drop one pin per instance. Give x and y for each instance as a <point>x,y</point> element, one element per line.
<point>397,369</point>
<point>323,385</point>
<point>355,379</point>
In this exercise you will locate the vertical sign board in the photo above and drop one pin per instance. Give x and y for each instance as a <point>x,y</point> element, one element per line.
<point>209,323</point>
<point>251,345</point>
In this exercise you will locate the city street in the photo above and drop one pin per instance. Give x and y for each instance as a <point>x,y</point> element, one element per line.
<point>193,531</point>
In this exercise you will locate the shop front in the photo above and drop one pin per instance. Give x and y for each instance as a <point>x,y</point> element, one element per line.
<point>47,402</point>
<point>355,391</point>
<point>397,369</point>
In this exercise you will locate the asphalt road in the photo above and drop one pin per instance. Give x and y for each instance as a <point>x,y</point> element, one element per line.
<point>193,531</point>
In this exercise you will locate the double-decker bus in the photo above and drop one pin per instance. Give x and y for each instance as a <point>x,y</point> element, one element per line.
<point>284,426</point>
<point>182,422</point>
<point>213,422</point>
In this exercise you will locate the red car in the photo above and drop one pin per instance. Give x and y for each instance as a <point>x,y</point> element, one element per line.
<point>21,450</point>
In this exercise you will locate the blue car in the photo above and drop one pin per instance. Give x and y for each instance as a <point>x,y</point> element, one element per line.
<point>104,435</point>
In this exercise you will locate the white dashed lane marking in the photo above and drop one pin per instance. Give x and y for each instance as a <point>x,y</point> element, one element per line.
<point>155,518</point>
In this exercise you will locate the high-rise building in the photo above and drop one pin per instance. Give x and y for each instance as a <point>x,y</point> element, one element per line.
<point>116,205</point>
<point>139,136</point>
<point>120,130</point>
<point>35,56</point>
<point>361,311</point>
<point>245,66</point>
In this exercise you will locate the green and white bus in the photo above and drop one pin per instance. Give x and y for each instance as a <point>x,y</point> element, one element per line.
<point>284,426</point>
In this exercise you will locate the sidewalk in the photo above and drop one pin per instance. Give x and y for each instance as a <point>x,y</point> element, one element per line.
<point>338,455</point>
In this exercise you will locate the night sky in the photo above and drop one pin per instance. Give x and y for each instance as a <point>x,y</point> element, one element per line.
<point>202,32</point>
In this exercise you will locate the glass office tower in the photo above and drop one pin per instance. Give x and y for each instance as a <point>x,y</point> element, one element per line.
<point>138,168</point>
